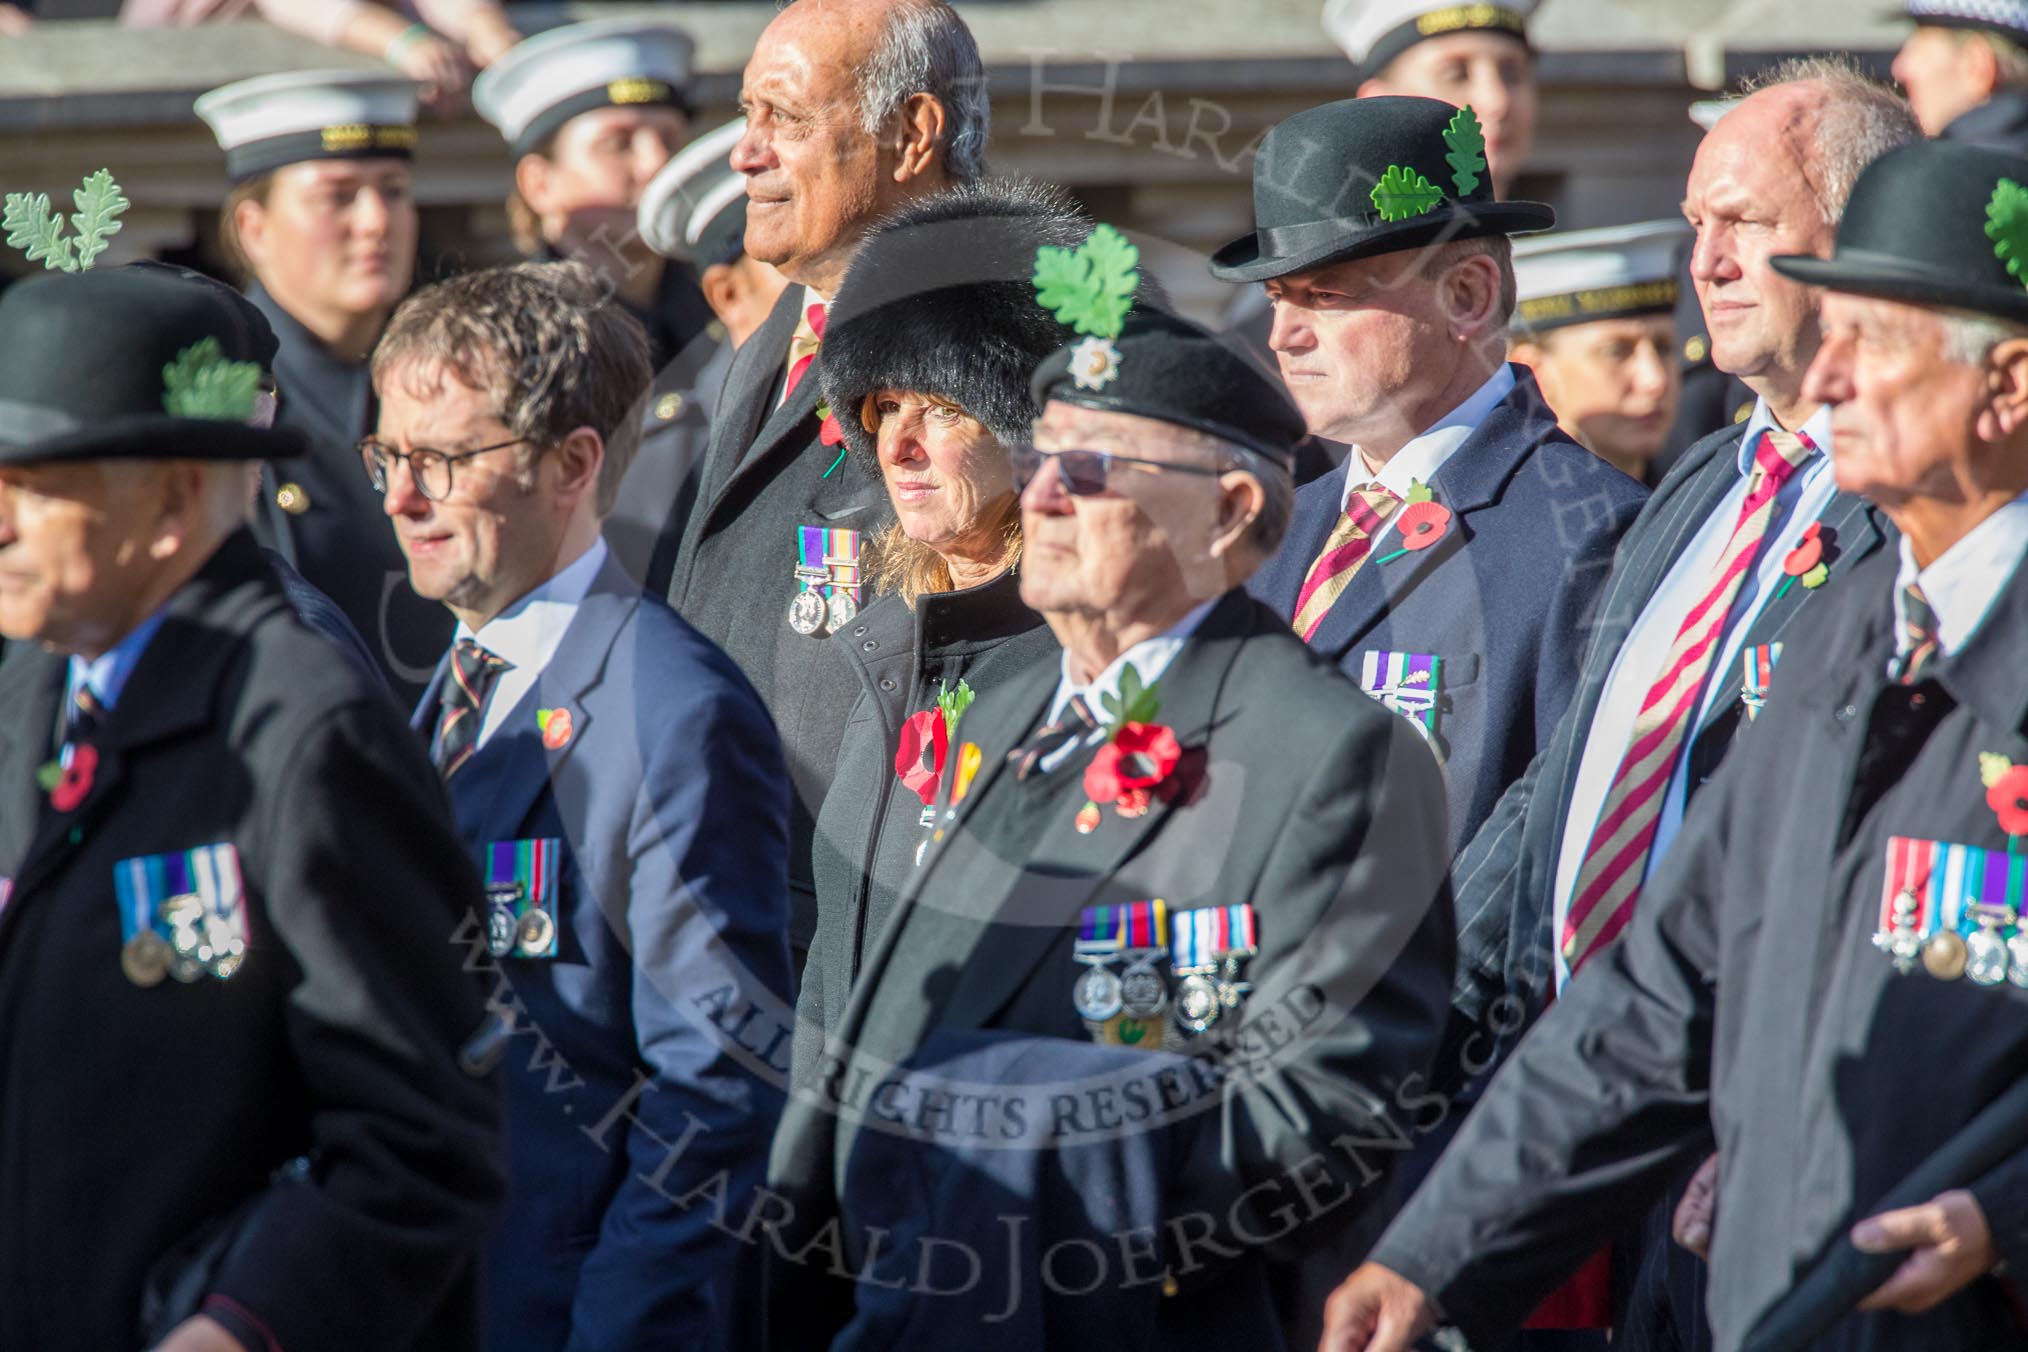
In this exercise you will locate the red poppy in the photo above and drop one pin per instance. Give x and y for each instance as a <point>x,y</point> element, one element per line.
<point>920,758</point>
<point>1134,803</point>
<point>830,433</point>
<point>1139,756</point>
<point>556,732</point>
<point>2009,800</point>
<point>76,780</point>
<point>1422,524</point>
<point>1808,553</point>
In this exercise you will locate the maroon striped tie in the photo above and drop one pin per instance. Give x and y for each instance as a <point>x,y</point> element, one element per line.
<point>463,703</point>
<point>1351,540</point>
<point>1617,858</point>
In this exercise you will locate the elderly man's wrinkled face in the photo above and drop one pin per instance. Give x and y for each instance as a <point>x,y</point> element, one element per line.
<point>1906,415</point>
<point>496,533</point>
<point>814,177</point>
<point>75,551</point>
<point>1131,551</point>
<point>1750,200</point>
<point>946,475</point>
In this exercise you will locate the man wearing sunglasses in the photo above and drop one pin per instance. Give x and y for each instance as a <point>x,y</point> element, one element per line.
<point>1450,565</point>
<point>1176,952</point>
<point>622,790</point>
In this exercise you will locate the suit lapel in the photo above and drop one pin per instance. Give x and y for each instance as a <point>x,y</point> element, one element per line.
<point>1066,869</point>
<point>496,789</point>
<point>32,693</point>
<point>1470,482</point>
<point>756,425</point>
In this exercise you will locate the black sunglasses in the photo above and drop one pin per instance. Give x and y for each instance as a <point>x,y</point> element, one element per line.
<point>1085,474</point>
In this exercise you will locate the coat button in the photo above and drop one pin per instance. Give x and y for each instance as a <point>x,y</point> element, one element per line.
<point>860,632</point>
<point>293,499</point>
<point>668,406</point>
<point>887,682</point>
<point>1848,713</point>
<point>869,646</point>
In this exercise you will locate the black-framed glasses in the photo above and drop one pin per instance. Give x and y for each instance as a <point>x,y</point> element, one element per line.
<point>1087,473</point>
<point>431,470</point>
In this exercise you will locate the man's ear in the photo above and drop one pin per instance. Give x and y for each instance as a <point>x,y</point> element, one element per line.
<point>2006,413</point>
<point>1470,296</point>
<point>250,227</point>
<point>922,135</point>
<point>1240,500</point>
<point>180,498</point>
<point>579,457</point>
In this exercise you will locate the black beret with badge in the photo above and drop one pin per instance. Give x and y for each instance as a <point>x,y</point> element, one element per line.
<point>274,120</point>
<point>544,81</point>
<point>1364,177</point>
<point>1139,360</point>
<point>142,362</point>
<point>1373,32</point>
<point>1935,223</point>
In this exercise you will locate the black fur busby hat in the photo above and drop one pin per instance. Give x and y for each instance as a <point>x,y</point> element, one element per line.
<point>940,299</point>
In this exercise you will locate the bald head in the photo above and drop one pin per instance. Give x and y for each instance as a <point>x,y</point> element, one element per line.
<point>853,107</point>
<point>1772,178</point>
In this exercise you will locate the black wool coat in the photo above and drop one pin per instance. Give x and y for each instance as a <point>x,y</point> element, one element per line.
<point>132,1117</point>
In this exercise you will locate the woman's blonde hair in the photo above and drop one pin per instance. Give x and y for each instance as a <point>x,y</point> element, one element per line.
<point>911,568</point>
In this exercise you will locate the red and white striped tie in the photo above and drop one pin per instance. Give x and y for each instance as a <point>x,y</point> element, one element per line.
<point>1351,540</point>
<point>1616,860</point>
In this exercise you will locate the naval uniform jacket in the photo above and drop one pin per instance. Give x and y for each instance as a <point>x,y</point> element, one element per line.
<point>320,512</point>
<point>1299,796</point>
<point>1505,879</point>
<point>132,1118</point>
<point>767,474</point>
<point>647,1027</point>
<point>1504,598</point>
<point>659,489</point>
<point>870,828</point>
<point>1747,1007</point>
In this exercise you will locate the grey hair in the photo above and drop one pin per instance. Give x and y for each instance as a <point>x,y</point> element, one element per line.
<point>1860,121</point>
<point>925,48</point>
<point>1970,337</point>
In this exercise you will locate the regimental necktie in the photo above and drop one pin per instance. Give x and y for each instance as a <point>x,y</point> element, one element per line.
<point>86,714</point>
<point>1616,860</point>
<point>1918,640</point>
<point>463,704</point>
<point>1076,724</point>
<point>1350,542</point>
<point>803,347</point>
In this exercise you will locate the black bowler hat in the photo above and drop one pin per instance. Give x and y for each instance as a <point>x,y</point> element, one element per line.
<point>1363,177</point>
<point>133,363</point>
<point>1934,223</point>
<point>1172,371</point>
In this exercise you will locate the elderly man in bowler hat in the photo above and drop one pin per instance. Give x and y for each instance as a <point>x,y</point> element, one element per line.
<point>235,1112</point>
<point>1828,973</point>
<point>1450,564</point>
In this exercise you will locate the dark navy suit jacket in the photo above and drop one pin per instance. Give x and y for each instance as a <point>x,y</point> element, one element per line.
<point>1505,598</point>
<point>645,1065</point>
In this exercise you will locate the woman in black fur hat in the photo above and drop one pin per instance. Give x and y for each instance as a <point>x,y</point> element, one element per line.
<point>930,344</point>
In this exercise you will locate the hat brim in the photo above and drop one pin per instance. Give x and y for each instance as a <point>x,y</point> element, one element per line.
<point>1246,260</point>
<point>1864,274</point>
<point>159,437</point>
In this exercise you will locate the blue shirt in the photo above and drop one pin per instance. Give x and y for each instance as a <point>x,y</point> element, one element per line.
<point>1802,500</point>
<point>107,673</point>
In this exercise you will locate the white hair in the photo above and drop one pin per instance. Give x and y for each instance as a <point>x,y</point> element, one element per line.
<point>1860,120</point>
<point>925,48</point>
<point>1969,337</point>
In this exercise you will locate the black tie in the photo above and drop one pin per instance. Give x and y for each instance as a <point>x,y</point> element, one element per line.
<point>1076,724</point>
<point>463,704</point>
<point>86,714</point>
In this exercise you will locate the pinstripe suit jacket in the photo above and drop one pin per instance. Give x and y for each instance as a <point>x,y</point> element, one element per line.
<point>1506,875</point>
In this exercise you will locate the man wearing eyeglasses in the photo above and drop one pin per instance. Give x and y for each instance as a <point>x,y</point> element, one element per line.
<point>1177,952</point>
<point>622,790</point>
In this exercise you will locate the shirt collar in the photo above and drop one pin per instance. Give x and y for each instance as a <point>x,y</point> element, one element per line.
<point>1963,582</point>
<point>1816,428</point>
<point>1424,455</point>
<point>107,673</point>
<point>1149,659</point>
<point>528,632</point>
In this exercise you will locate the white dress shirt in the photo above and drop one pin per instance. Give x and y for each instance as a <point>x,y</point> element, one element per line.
<point>1149,659</point>
<point>1962,583</point>
<point>1803,500</point>
<point>1424,455</point>
<point>528,633</point>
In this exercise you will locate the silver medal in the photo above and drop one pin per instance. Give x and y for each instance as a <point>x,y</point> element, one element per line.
<point>500,933</point>
<point>1986,957</point>
<point>1096,996</point>
<point>2017,956</point>
<point>841,609</point>
<point>1198,1003</point>
<point>1143,993</point>
<point>807,614</point>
